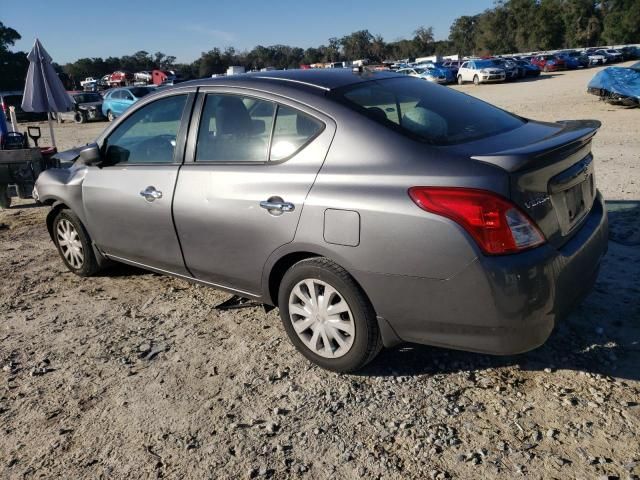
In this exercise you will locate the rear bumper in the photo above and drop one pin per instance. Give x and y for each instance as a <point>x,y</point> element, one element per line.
<point>498,305</point>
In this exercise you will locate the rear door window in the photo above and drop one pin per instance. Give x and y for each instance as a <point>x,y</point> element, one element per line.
<point>234,128</point>
<point>292,131</point>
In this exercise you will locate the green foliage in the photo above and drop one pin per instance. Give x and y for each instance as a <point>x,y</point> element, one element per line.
<point>533,25</point>
<point>13,65</point>
<point>622,21</point>
<point>510,26</point>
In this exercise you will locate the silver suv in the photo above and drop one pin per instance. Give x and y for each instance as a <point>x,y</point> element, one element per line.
<point>371,208</point>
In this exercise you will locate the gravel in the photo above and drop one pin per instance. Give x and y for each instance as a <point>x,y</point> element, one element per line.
<point>135,375</point>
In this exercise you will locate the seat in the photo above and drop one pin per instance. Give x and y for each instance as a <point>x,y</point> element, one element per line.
<point>233,139</point>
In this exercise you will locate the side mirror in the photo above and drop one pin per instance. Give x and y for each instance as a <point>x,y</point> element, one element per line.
<point>90,155</point>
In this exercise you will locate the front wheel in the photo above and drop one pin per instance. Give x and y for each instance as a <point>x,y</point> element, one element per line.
<point>80,117</point>
<point>73,244</point>
<point>327,316</point>
<point>110,116</point>
<point>476,80</point>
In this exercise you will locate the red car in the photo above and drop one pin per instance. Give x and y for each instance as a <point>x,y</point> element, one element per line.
<point>549,63</point>
<point>120,79</point>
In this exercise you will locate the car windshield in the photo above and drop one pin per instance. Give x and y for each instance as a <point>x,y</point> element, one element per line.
<point>426,112</point>
<point>485,63</point>
<point>140,92</point>
<point>87,98</point>
<point>419,71</point>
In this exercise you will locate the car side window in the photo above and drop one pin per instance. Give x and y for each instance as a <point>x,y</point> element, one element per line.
<point>465,65</point>
<point>115,95</point>
<point>292,131</point>
<point>148,135</point>
<point>234,128</point>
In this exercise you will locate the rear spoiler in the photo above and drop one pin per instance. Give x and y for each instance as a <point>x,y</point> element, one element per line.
<point>573,136</point>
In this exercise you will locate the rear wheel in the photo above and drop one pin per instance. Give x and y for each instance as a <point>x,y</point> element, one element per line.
<point>74,244</point>
<point>327,316</point>
<point>460,81</point>
<point>546,69</point>
<point>476,80</point>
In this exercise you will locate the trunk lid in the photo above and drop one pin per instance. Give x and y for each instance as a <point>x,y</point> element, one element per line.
<point>551,174</point>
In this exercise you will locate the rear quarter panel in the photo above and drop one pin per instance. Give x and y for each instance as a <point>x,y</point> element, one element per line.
<point>369,170</point>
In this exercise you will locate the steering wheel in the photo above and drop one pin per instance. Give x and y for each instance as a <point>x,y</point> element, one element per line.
<point>156,148</point>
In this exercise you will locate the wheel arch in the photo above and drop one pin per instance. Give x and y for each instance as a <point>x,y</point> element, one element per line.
<point>286,260</point>
<point>56,206</point>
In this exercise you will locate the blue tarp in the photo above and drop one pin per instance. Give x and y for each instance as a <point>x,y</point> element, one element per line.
<point>617,84</point>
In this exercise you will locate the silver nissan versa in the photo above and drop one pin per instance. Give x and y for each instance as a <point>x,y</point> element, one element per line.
<point>371,208</point>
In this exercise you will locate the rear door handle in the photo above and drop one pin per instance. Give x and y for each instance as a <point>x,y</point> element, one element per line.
<point>277,206</point>
<point>150,194</point>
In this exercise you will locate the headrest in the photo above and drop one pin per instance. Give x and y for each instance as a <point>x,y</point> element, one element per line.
<point>232,117</point>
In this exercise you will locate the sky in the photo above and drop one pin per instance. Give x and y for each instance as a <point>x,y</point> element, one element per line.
<point>70,29</point>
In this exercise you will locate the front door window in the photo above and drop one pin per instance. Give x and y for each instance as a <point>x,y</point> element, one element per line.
<point>148,135</point>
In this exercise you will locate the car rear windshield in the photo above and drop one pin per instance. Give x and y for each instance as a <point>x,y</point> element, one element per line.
<point>426,112</point>
<point>140,92</point>
<point>87,97</point>
<point>484,63</point>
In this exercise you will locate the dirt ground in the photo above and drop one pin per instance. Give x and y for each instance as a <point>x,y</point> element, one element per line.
<point>135,375</point>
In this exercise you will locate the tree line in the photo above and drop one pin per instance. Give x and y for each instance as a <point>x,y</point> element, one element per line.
<point>510,26</point>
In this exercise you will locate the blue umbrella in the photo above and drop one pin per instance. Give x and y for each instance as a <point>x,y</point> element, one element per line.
<point>43,90</point>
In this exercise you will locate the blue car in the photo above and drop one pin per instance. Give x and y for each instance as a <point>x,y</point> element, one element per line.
<point>527,69</point>
<point>570,62</point>
<point>116,101</point>
<point>440,73</point>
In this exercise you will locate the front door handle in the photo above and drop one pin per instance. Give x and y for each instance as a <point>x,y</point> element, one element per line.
<point>150,194</point>
<point>277,206</point>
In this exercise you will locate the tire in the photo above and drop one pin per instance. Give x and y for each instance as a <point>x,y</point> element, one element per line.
<point>110,116</point>
<point>360,346</point>
<point>546,69</point>
<point>80,117</point>
<point>476,80</point>
<point>68,227</point>
<point>59,118</point>
<point>460,81</point>
<point>5,199</point>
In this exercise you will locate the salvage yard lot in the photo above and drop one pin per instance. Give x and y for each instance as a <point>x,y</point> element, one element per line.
<point>134,375</point>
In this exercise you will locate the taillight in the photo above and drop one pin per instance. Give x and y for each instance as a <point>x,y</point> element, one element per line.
<point>496,224</point>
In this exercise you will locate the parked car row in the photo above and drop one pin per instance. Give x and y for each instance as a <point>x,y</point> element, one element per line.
<point>122,78</point>
<point>498,69</point>
<point>110,104</point>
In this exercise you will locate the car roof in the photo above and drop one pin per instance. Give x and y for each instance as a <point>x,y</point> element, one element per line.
<point>325,79</point>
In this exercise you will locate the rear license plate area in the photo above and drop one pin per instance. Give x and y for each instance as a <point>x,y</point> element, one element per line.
<point>574,200</point>
<point>572,193</point>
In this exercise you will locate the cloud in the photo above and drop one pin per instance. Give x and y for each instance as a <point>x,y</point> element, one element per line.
<point>211,33</point>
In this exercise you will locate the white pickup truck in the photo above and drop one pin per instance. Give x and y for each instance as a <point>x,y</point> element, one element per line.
<point>88,83</point>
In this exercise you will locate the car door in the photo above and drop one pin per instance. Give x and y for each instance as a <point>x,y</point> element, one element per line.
<point>250,162</point>
<point>128,198</point>
<point>126,101</point>
<point>469,72</point>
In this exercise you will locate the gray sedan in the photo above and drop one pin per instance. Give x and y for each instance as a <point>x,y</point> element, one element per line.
<point>371,208</point>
